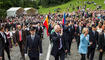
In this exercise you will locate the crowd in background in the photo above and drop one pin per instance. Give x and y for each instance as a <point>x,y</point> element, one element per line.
<point>86,26</point>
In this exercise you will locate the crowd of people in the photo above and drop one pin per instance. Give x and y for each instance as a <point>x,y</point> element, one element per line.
<point>86,26</point>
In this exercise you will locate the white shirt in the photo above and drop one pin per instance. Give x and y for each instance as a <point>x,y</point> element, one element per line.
<point>32,37</point>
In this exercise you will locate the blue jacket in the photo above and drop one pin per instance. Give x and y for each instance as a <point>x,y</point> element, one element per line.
<point>84,43</point>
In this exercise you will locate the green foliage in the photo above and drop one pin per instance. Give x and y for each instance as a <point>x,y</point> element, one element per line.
<point>47,3</point>
<point>74,4</point>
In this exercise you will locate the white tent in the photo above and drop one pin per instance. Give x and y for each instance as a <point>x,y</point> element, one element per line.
<point>30,11</point>
<point>12,11</point>
<point>26,9</point>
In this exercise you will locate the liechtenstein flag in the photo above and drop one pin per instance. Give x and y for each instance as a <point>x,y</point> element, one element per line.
<point>64,19</point>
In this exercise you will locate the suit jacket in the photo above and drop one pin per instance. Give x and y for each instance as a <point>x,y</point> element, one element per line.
<point>93,38</point>
<point>3,44</point>
<point>66,33</point>
<point>23,37</point>
<point>71,31</point>
<point>55,39</point>
<point>101,41</point>
<point>33,47</point>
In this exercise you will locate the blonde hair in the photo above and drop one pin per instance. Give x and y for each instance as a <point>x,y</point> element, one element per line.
<point>84,30</point>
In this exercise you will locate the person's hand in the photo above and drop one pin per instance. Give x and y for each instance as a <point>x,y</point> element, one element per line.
<point>91,43</point>
<point>16,44</point>
<point>25,55</point>
<point>69,24</point>
<point>41,54</point>
<point>61,32</point>
<point>101,50</point>
<point>66,51</point>
<point>78,34</point>
<point>85,34</point>
<point>0,58</point>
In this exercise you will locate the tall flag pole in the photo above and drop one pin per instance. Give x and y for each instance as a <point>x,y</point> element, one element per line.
<point>45,23</point>
<point>64,19</point>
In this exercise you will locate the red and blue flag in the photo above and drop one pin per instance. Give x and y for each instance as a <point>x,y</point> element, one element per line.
<point>64,19</point>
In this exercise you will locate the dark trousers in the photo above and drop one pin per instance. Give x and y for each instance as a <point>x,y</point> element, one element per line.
<point>60,55</point>
<point>10,42</point>
<point>7,49</point>
<point>21,46</point>
<point>101,54</point>
<point>78,41</point>
<point>34,58</point>
<point>69,45</point>
<point>83,57</point>
<point>90,54</point>
<point>41,44</point>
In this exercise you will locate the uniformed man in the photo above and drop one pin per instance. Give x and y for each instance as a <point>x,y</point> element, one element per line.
<point>33,45</point>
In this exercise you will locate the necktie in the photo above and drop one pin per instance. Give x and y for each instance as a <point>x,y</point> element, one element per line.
<point>80,29</point>
<point>59,42</point>
<point>20,36</point>
<point>94,32</point>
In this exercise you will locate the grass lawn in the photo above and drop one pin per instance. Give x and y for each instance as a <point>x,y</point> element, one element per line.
<point>74,3</point>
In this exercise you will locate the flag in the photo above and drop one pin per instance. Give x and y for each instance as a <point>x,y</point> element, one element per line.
<point>45,23</point>
<point>64,19</point>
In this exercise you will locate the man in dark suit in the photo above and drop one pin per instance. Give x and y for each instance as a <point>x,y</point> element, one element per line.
<point>21,40</point>
<point>66,33</point>
<point>39,30</point>
<point>4,44</point>
<point>71,29</point>
<point>33,45</point>
<point>101,43</point>
<point>78,33</point>
<point>1,43</point>
<point>59,44</point>
<point>93,42</point>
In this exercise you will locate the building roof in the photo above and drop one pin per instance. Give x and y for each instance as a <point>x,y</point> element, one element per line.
<point>14,9</point>
<point>26,9</point>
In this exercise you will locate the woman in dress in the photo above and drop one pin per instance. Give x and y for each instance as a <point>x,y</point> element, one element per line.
<point>84,43</point>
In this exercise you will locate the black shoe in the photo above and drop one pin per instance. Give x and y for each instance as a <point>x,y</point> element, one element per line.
<point>88,57</point>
